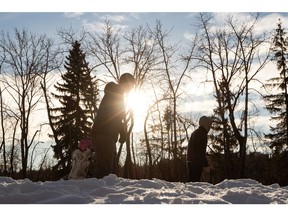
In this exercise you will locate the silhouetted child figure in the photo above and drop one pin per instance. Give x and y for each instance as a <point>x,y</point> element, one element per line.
<point>108,125</point>
<point>81,160</point>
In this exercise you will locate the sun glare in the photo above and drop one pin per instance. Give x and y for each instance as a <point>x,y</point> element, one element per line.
<point>138,102</point>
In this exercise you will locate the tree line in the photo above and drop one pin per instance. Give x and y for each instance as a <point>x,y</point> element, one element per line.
<point>64,81</point>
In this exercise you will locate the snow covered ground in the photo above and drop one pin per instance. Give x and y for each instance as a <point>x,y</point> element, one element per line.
<point>115,190</point>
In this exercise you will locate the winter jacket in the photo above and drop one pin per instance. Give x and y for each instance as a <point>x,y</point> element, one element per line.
<point>196,152</point>
<point>111,112</point>
<point>80,164</point>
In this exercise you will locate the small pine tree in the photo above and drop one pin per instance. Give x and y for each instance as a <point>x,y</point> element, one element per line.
<point>78,97</point>
<point>277,103</point>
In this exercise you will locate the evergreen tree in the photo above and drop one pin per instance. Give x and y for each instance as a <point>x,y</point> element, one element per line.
<point>277,104</point>
<point>78,95</point>
<point>223,141</point>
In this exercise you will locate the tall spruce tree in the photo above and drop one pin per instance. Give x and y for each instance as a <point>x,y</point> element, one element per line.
<point>277,104</point>
<point>78,95</point>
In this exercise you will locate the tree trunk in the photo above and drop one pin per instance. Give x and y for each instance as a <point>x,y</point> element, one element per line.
<point>148,148</point>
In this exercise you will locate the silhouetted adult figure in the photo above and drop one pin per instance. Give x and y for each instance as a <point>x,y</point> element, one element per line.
<point>108,125</point>
<point>196,151</point>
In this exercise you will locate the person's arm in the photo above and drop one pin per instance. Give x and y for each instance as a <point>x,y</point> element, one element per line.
<point>122,116</point>
<point>202,151</point>
<point>122,132</point>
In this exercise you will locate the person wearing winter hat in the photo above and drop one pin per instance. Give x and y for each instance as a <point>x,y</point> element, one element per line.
<point>81,160</point>
<point>108,125</point>
<point>196,150</point>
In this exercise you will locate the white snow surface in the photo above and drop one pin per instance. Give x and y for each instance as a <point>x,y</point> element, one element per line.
<point>116,190</point>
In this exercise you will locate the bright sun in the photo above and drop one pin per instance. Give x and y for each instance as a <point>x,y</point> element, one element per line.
<point>138,102</point>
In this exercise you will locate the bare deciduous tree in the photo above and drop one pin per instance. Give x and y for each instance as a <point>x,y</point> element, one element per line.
<point>27,56</point>
<point>175,67</point>
<point>234,56</point>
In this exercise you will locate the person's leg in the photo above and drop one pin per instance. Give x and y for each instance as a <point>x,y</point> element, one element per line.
<point>105,149</point>
<point>194,172</point>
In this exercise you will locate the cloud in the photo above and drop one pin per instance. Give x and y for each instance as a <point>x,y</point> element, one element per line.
<point>269,22</point>
<point>99,26</point>
<point>118,21</point>
<point>188,35</point>
<point>198,104</point>
<point>221,18</point>
<point>73,14</point>
<point>114,18</point>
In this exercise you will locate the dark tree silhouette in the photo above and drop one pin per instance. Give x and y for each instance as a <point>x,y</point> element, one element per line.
<point>73,119</point>
<point>277,103</point>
